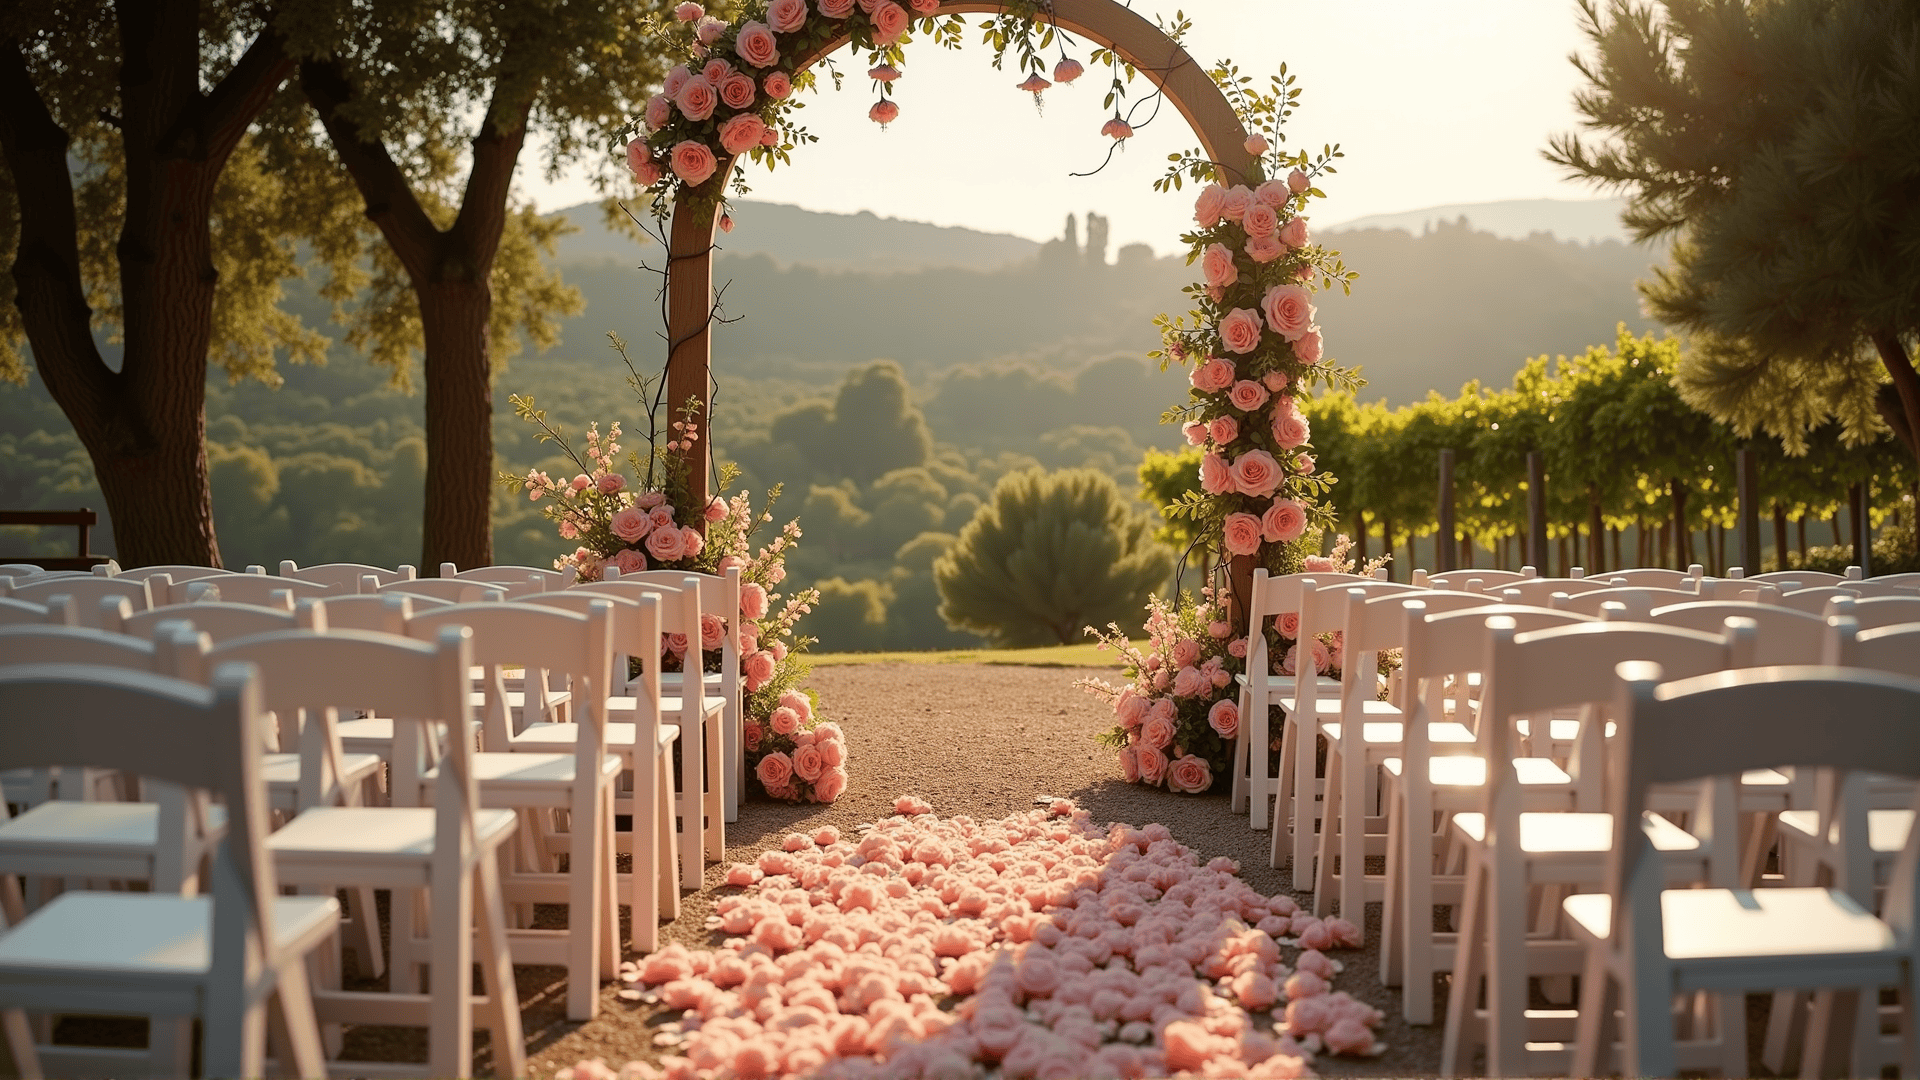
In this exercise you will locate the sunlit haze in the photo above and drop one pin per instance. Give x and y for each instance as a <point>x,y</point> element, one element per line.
<point>1432,103</point>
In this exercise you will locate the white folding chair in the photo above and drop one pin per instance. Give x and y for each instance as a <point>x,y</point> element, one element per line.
<point>25,613</point>
<point>235,960</point>
<point>447,848</point>
<point>1488,578</point>
<point>1637,600</point>
<point>550,580</point>
<point>1510,849</point>
<point>1539,591</point>
<point>1260,690</point>
<point>719,598</point>
<point>1647,944</point>
<point>85,592</point>
<point>345,578</point>
<point>1873,612</point>
<point>580,782</point>
<point>459,592</point>
<point>262,589</point>
<point>1446,640</point>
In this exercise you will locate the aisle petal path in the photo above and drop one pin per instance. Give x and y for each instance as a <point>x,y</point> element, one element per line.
<point>994,921</point>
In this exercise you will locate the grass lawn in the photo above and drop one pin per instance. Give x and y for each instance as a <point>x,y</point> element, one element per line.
<point>1061,656</point>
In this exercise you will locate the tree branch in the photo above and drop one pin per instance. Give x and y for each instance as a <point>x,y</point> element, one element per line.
<point>391,204</point>
<point>1902,413</point>
<point>210,130</point>
<point>51,296</point>
<point>496,151</point>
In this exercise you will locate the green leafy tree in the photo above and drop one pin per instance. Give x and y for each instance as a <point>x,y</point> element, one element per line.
<point>1050,555</point>
<point>390,82</point>
<point>1773,142</point>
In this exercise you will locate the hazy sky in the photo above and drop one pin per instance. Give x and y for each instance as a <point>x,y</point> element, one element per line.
<point>1433,103</point>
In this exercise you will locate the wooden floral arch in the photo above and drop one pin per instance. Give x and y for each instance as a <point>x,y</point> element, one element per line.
<point>1128,34</point>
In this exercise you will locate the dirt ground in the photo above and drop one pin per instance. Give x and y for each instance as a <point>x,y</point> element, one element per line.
<point>970,739</point>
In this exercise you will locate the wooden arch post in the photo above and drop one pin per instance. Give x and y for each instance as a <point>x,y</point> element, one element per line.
<point>696,215</point>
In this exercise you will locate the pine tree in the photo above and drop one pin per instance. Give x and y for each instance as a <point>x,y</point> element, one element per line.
<point>1775,143</point>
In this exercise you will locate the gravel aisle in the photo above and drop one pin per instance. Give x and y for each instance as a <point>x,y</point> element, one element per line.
<point>982,740</point>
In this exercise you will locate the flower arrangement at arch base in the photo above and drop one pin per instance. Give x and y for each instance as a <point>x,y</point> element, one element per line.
<point>651,524</point>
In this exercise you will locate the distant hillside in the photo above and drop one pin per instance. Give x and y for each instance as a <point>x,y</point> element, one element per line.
<point>1568,219</point>
<point>791,236</point>
<point>1430,311</point>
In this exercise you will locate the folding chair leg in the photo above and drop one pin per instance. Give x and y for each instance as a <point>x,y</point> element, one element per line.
<point>1463,998</point>
<point>609,885</point>
<point>293,1016</point>
<point>1393,905</point>
<point>669,885</point>
<point>1239,801</point>
<point>502,1013</point>
<point>1306,747</point>
<point>1282,819</point>
<point>716,811</point>
<point>643,893</point>
<point>19,1034</point>
<point>1329,841</point>
<point>692,751</point>
<point>1593,1032</point>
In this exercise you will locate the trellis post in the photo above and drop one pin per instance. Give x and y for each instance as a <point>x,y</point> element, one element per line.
<point>1537,512</point>
<point>1445,544</point>
<point>1747,481</point>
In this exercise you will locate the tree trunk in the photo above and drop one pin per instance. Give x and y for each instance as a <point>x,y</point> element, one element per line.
<point>1359,538</point>
<point>1566,552</point>
<point>1466,552</point>
<point>143,426</point>
<point>1596,533</point>
<point>451,273</point>
<point>1386,544</point>
<point>1677,491</point>
<point>1779,536</point>
<point>1618,562</point>
<point>457,523</point>
<point>1801,524</point>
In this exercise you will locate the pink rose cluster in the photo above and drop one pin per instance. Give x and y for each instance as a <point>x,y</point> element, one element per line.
<point>1177,717</point>
<point>1075,950</point>
<point>793,754</point>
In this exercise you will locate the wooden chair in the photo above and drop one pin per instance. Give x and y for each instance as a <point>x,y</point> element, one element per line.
<point>1873,612</point>
<point>1366,733</point>
<point>645,741</point>
<point>221,619</point>
<point>719,597</point>
<point>1260,690</point>
<point>235,960</point>
<point>386,613</point>
<point>1911,581</point>
<point>458,592</point>
<point>1637,600</point>
<point>1510,849</point>
<point>1538,591</point>
<point>1489,578</point>
<point>85,592</point>
<point>1783,635</point>
<point>345,578</point>
<point>1647,944</point>
<point>1807,579</point>
<point>1446,646</point>
<point>25,613</point>
<point>447,847</point>
<point>1322,608</point>
<point>550,580</point>
<point>1651,578</point>
<point>260,589</point>
<point>581,782</point>
<point>178,574</point>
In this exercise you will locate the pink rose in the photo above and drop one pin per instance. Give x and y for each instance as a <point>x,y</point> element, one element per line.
<point>1284,522</point>
<point>1195,432</point>
<point>676,644</point>
<point>713,630</point>
<point>1256,144</point>
<point>1322,657</point>
<point>1189,774</point>
<point>779,85</point>
<point>610,483</point>
<point>779,650</point>
<point>582,482</point>
<point>693,162</point>
<point>1240,330</point>
<point>774,770</point>
<point>1152,763</point>
<point>716,509</point>
<point>1223,430</point>
<point>1303,465</point>
<point>890,22</point>
<point>755,44</point>
<point>1217,266</point>
<point>1247,395</point>
<point>1189,682</point>
<point>716,71</point>
<point>1131,708</point>
<point>1275,381</point>
<point>697,98</point>
<point>648,175</point>
<point>1234,205</point>
<point>1260,220</point>
<point>1185,651</point>
<point>1129,765</point>
<point>833,754</point>
<point>650,499</point>
<point>1256,473</point>
<point>688,12</point>
<point>1238,648</point>
<point>737,91</point>
<point>666,544</point>
<point>831,785</point>
<point>629,561</point>
<point>1307,349</point>
<point>638,154</point>
<point>786,16</point>
<point>884,112</point>
<point>836,9</point>
<point>750,733</point>
<point>1294,233</point>
<point>1264,249</point>
<point>807,763</point>
<point>1224,718</point>
<point>1117,129</point>
<point>1163,709</point>
<point>1241,534</point>
<point>1290,429</point>
<point>784,721</point>
<point>753,601</point>
<point>709,29</point>
<point>630,525</point>
<point>741,133</point>
<point>769,137</point>
<point>1289,310</point>
<point>1219,628</point>
<point>676,78</point>
<point>1297,182</point>
<point>1206,208</point>
<point>1289,622</point>
<point>1214,375</point>
<point>1215,477</point>
<point>1272,193</point>
<point>1157,732</point>
<point>691,541</point>
<point>757,668</point>
<point>661,514</point>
